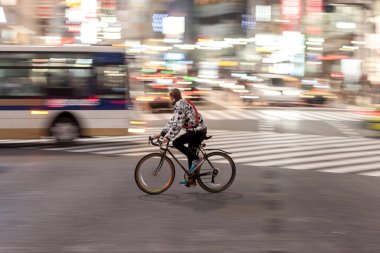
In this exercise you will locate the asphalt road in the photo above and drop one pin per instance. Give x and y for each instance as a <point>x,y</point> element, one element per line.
<point>64,202</point>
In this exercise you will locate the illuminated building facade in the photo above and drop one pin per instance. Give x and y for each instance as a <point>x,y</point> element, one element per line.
<point>17,23</point>
<point>326,37</point>
<point>219,26</point>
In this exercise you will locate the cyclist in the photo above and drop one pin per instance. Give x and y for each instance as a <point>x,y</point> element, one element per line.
<point>187,117</point>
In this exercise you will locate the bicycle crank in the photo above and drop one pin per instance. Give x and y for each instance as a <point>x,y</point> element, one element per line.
<point>190,180</point>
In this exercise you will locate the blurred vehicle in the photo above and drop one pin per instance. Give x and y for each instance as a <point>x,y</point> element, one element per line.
<point>194,91</point>
<point>371,118</point>
<point>317,92</point>
<point>274,89</point>
<point>65,92</point>
<point>246,91</point>
<point>155,96</point>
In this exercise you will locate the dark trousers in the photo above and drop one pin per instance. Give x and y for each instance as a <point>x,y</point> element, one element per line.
<point>193,139</point>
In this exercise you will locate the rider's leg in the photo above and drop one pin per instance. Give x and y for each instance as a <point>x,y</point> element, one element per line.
<point>179,143</point>
<point>194,143</point>
<point>197,139</point>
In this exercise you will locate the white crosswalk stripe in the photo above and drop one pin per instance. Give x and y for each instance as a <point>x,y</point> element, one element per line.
<point>355,155</point>
<point>266,125</point>
<point>208,115</point>
<point>222,115</point>
<point>241,114</point>
<point>267,114</point>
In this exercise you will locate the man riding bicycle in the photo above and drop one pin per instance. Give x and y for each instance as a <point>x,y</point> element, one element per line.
<point>187,117</point>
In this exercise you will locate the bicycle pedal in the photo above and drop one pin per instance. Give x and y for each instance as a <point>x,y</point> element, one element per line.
<point>188,185</point>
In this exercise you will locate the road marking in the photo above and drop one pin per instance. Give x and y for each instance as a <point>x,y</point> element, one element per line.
<point>268,114</point>
<point>242,114</point>
<point>371,173</point>
<point>224,114</point>
<point>336,154</point>
<point>343,128</point>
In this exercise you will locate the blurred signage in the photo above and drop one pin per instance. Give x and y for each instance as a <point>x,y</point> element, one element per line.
<point>89,9</point>
<point>351,68</point>
<point>291,14</point>
<point>73,15</point>
<point>332,57</point>
<point>173,28</point>
<point>291,9</point>
<point>174,56</point>
<point>296,39</point>
<point>267,40</point>
<point>313,20</point>
<point>173,25</point>
<point>157,21</point>
<point>345,25</point>
<point>247,21</point>
<point>263,13</point>
<point>2,16</point>
<point>73,3</point>
<point>314,6</point>
<point>108,4</point>
<point>89,24</point>
<point>44,11</point>
<point>45,8</point>
<point>203,2</point>
<point>8,2</point>
<point>372,40</point>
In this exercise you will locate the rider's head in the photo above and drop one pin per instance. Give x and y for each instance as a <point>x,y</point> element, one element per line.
<point>175,94</point>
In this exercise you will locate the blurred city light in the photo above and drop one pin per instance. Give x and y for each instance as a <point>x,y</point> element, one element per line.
<point>2,16</point>
<point>229,41</point>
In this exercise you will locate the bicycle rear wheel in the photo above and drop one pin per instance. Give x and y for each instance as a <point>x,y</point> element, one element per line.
<point>217,172</point>
<point>154,177</point>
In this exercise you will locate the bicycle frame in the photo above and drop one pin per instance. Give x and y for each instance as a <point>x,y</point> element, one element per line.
<point>165,150</point>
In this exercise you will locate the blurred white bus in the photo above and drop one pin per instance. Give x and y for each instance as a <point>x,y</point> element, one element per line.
<point>65,92</point>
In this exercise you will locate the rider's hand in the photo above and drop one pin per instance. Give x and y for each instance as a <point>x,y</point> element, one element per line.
<point>165,140</point>
<point>156,136</point>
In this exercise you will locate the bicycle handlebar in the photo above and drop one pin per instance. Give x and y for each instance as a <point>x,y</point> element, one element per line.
<point>152,141</point>
<point>158,142</point>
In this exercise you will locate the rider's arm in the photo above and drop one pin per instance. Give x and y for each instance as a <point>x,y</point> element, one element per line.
<point>175,124</point>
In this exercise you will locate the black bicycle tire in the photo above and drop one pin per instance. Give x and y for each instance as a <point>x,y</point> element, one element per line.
<point>137,170</point>
<point>230,181</point>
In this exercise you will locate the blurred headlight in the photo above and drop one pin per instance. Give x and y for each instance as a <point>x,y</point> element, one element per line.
<point>144,98</point>
<point>271,93</point>
<point>39,112</point>
<point>135,122</point>
<point>136,130</point>
<point>291,93</point>
<point>307,96</point>
<point>249,97</point>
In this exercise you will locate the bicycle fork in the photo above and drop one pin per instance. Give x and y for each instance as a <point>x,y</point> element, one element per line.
<point>157,170</point>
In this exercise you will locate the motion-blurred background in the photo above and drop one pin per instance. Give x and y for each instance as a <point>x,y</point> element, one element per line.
<point>319,50</point>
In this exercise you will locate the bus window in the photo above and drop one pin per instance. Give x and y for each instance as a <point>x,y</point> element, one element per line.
<point>45,59</point>
<point>112,82</point>
<point>69,82</point>
<point>18,82</point>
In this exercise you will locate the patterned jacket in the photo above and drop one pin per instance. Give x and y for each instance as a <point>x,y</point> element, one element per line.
<point>184,117</point>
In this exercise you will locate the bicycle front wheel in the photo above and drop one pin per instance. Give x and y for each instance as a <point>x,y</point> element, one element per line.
<point>217,172</point>
<point>153,175</point>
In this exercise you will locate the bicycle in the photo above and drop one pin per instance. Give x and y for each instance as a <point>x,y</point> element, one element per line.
<point>215,173</point>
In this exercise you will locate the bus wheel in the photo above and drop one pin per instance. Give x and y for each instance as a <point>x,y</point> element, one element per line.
<point>65,130</point>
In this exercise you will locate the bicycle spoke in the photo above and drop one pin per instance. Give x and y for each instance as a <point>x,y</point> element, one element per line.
<point>154,179</point>
<point>217,172</point>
